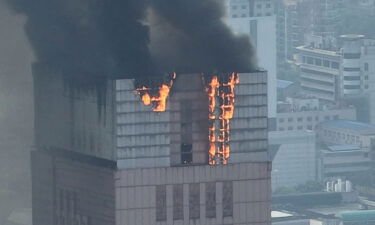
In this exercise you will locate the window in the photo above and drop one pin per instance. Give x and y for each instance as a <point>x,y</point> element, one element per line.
<point>243,6</point>
<point>268,5</point>
<point>309,127</point>
<point>366,66</point>
<point>318,62</point>
<point>299,119</point>
<point>366,77</point>
<point>316,118</point>
<point>299,127</point>
<point>228,199</point>
<point>290,119</point>
<point>186,153</point>
<point>243,15</point>
<point>161,203</point>
<point>351,78</point>
<point>281,129</point>
<point>352,55</point>
<point>336,117</point>
<point>335,65</point>
<point>268,14</point>
<point>211,200</point>
<point>178,202</point>
<point>309,118</point>
<point>326,63</point>
<point>366,86</point>
<point>259,14</point>
<point>194,199</point>
<point>259,6</point>
<point>234,7</point>
<point>351,87</point>
<point>309,60</point>
<point>234,16</point>
<point>281,120</point>
<point>290,128</point>
<point>352,69</point>
<point>326,117</point>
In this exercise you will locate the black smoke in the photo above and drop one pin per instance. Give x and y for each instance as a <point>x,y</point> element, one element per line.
<point>95,40</point>
<point>191,36</point>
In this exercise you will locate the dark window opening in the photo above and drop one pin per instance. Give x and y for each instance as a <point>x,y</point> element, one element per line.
<point>186,153</point>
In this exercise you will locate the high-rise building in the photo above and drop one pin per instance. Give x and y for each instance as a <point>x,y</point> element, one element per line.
<point>257,19</point>
<point>73,160</point>
<point>293,22</point>
<point>164,176</point>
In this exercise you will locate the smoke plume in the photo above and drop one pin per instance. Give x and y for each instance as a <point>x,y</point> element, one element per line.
<point>91,40</point>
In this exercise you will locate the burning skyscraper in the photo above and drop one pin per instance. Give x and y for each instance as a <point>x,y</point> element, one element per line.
<point>190,147</point>
<point>194,161</point>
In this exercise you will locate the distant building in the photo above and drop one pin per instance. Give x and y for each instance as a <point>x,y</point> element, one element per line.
<point>286,89</point>
<point>319,72</point>
<point>294,158</point>
<point>343,161</point>
<point>345,74</point>
<point>306,113</point>
<point>293,22</point>
<point>346,132</point>
<point>326,17</point>
<point>257,19</point>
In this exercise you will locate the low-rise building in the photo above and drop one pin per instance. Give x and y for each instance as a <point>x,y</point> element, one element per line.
<point>306,113</point>
<point>343,161</point>
<point>346,132</point>
<point>293,158</point>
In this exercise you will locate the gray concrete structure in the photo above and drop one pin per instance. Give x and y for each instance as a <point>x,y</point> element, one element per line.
<point>294,161</point>
<point>155,185</point>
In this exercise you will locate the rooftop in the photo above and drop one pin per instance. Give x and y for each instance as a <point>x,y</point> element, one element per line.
<point>344,147</point>
<point>363,128</point>
<point>283,83</point>
<point>363,215</point>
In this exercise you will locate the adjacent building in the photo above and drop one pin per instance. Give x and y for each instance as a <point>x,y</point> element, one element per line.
<point>257,19</point>
<point>294,157</point>
<point>305,113</point>
<point>73,161</point>
<point>319,72</point>
<point>163,174</point>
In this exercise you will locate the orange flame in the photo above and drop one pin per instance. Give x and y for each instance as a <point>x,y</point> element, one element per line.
<point>219,153</point>
<point>159,102</point>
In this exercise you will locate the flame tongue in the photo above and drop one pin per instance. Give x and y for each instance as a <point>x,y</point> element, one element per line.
<point>219,150</point>
<point>159,102</point>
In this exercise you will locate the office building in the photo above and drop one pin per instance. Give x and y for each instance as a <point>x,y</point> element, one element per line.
<point>257,19</point>
<point>304,113</point>
<point>164,176</point>
<point>346,132</point>
<point>73,160</point>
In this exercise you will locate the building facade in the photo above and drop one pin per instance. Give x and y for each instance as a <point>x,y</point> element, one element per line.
<point>307,113</point>
<point>161,181</point>
<point>319,72</point>
<point>257,19</point>
<point>294,162</point>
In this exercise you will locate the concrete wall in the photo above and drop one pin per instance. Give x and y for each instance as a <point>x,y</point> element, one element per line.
<point>295,160</point>
<point>70,188</point>
<point>138,202</point>
<point>69,118</point>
